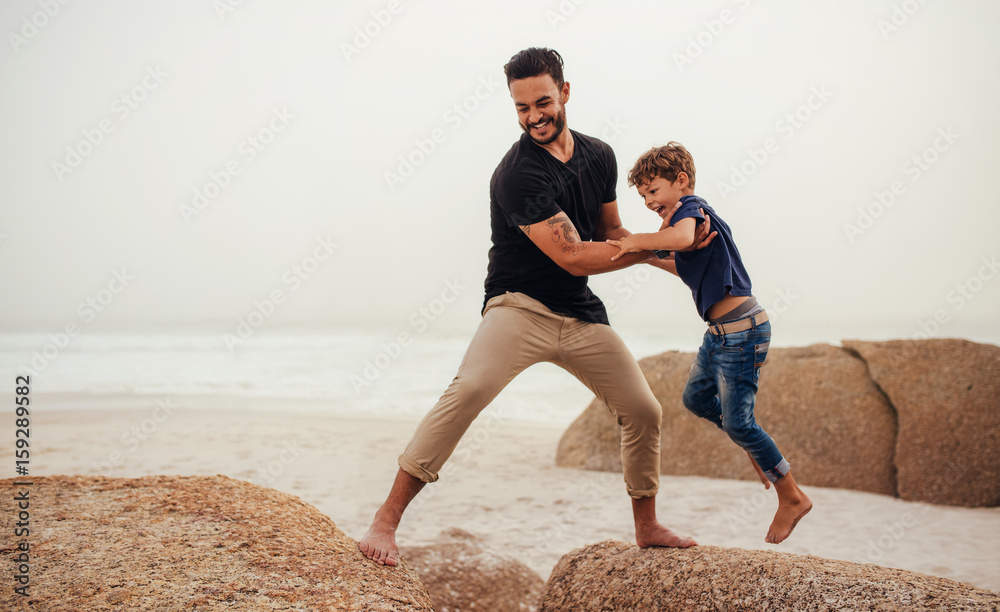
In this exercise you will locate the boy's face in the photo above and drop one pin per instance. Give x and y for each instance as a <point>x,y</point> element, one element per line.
<point>660,195</point>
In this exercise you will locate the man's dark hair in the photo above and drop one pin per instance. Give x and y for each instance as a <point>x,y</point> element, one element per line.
<point>535,61</point>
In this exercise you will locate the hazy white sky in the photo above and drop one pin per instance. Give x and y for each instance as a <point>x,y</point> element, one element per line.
<point>189,163</point>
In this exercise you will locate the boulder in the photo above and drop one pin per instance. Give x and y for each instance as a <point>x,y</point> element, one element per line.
<point>818,404</point>
<point>946,395</point>
<point>462,575</point>
<point>612,576</point>
<point>186,542</point>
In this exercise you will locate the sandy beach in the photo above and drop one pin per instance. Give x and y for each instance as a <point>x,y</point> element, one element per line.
<point>502,483</point>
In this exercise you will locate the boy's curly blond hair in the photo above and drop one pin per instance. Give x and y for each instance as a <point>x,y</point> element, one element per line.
<point>667,162</point>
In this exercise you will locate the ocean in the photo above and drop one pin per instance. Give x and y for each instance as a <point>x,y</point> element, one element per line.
<point>347,373</point>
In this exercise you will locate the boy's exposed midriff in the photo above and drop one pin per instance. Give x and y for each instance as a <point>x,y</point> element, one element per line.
<point>725,305</point>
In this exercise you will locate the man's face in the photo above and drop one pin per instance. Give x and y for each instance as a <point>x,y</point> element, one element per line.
<point>540,105</point>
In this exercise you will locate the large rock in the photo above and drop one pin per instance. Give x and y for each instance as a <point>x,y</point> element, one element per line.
<point>202,543</point>
<point>462,575</point>
<point>818,403</point>
<point>613,576</point>
<point>947,397</point>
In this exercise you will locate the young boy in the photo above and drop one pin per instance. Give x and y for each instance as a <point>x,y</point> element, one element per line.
<point>736,343</point>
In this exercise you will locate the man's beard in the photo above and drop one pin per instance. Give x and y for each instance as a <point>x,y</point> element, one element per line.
<point>558,125</point>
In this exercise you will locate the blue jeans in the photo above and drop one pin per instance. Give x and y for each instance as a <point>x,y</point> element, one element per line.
<point>722,388</point>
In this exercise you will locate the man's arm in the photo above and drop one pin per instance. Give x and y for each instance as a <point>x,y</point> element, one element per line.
<point>609,224</point>
<point>667,263</point>
<point>557,237</point>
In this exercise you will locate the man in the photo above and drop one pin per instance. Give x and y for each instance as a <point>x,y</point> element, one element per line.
<point>552,205</point>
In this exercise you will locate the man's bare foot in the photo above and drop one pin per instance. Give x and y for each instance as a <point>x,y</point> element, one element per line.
<point>785,520</point>
<point>760,473</point>
<point>658,535</point>
<point>379,544</point>
<point>649,531</point>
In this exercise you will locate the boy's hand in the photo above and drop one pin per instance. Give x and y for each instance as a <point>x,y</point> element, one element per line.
<point>702,236</point>
<point>626,244</point>
<point>670,215</point>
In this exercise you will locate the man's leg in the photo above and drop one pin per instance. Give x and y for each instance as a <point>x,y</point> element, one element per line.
<point>599,358</point>
<point>509,339</point>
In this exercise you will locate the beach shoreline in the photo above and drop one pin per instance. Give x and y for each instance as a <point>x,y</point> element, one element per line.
<point>501,484</point>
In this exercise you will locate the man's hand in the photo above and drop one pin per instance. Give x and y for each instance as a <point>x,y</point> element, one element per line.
<point>667,263</point>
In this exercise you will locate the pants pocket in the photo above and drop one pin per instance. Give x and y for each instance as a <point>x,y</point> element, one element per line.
<point>760,353</point>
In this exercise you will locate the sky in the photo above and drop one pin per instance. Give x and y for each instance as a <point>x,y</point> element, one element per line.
<point>207,164</point>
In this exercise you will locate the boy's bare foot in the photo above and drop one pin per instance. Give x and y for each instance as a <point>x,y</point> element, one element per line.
<point>658,535</point>
<point>785,520</point>
<point>793,504</point>
<point>379,544</point>
<point>760,473</point>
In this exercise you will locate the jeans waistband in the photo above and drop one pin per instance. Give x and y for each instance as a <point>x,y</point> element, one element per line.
<point>749,321</point>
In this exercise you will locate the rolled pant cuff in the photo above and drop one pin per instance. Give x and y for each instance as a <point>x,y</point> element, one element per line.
<point>779,471</point>
<point>414,469</point>
<point>643,493</point>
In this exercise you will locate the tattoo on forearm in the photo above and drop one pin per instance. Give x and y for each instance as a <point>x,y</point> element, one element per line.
<point>563,231</point>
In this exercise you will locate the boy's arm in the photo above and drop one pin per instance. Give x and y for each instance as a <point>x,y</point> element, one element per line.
<point>676,238</point>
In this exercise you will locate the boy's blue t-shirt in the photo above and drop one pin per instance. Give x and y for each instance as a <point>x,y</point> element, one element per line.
<point>716,270</point>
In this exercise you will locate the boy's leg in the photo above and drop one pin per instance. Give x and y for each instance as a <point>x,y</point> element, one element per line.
<point>509,339</point>
<point>739,360</point>
<point>760,473</point>
<point>701,392</point>
<point>701,395</point>
<point>598,357</point>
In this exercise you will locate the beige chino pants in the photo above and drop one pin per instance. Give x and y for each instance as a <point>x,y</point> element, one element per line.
<point>518,331</point>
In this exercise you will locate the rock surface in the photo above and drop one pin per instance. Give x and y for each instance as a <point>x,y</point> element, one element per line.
<point>915,418</point>
<point>818,403</point>
<point>193,543</point>
<point>612,576</point>
<point>947,397</point>
<point>461,575</point>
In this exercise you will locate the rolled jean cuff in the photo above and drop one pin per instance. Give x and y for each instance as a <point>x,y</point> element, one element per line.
<point>414,469</point>
<point>643,493</point>
<point>778,472</point>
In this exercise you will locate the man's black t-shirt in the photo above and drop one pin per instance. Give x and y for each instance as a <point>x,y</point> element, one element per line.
<point>530,185</point>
